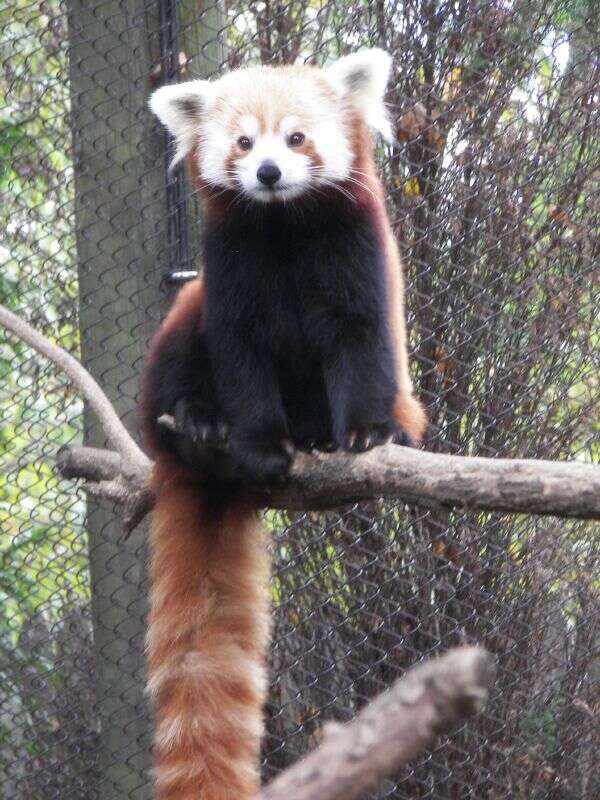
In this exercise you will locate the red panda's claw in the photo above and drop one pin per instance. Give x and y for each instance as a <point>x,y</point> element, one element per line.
<point>362,440</point>
<point>351,440</point>
<point>201,434</point>
<point>289,447</point>
<point>376,435</point>
<point>199,424</point>
<point>312,446</point>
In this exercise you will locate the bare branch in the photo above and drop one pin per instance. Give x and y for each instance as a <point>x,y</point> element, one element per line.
<point>530,486</point>
<point>115,431</point>
<point>108,477</point>
<point>137,503</point>
<point>319,481</point>
<point>92,464</point>
<point>563,489</point>
<point>431,699</point>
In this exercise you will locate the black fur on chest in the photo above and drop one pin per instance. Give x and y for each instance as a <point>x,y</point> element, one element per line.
<point>295,286</point>
<point>289,279</point>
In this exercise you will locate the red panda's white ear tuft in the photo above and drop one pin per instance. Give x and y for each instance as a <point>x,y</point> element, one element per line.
<point>179,108</point>
<point>363,76</point>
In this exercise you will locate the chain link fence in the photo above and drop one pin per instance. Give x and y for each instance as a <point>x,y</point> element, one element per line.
<point>494,190</point>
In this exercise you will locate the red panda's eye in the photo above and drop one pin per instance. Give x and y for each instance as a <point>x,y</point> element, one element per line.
<point>244,143</point>
<point>296,139</point>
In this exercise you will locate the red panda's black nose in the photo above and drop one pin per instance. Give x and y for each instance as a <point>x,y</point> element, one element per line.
<point>268,173</point>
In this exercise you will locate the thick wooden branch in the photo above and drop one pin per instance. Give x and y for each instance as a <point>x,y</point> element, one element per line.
<point>319,481</point>
<point>563,489</point>
<point>431,699</point>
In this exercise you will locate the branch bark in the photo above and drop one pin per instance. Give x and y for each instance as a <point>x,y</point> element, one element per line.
<point>318,481</point>
<point>431,699</point>
<point>108,476</point>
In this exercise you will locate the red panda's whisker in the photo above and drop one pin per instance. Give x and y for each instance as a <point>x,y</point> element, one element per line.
<point>361,172</point>
<point>334,185</point>
<point>357,182</point>
<point>361,185</point>
<point>317,172</point>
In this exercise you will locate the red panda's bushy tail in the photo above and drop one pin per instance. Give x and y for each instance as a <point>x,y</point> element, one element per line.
<point>208,632</point>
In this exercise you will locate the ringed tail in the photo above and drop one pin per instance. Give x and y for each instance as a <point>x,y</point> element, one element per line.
<point>207,640</point>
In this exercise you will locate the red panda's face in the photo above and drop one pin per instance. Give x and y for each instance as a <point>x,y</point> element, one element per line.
<point>272,161</point>
<point>273,134</point>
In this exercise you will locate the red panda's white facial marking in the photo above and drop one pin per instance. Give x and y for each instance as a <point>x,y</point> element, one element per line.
<point>275,159</point>
<point>275,133</point>
<point>284,117</point>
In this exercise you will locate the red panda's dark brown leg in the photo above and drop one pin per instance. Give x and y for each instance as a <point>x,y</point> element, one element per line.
<point>178,380</point>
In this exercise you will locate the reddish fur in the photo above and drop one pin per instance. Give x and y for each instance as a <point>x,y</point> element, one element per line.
<point>308,149</point>
<point>186,312</point>
<point>208,626</point>
<point>209,602</point>
<point>408,410</point>
<point>207,638</point>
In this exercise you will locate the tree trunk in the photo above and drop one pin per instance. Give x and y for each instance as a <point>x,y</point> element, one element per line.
<point>121,213</point>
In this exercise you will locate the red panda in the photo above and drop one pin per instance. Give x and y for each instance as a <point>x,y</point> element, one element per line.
<point>294,338</point>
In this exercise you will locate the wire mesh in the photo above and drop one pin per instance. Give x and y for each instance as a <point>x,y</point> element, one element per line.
<point>494,190</point>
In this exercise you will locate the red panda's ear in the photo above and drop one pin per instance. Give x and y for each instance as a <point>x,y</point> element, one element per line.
<point>363,77</point>
<point>179,108</point>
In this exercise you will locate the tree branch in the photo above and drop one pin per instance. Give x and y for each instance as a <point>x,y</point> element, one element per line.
<point>107,476</point>
<point>115,431</point>
<point>563,489</point>
<point>318,481</point>
<point>431,699</point>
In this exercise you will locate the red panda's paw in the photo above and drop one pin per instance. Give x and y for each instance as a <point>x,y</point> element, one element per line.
<point>404,438</point>
<point>262,461</point>
<point>199,424</point>
<point>363,439</point>
<point>316,445</point>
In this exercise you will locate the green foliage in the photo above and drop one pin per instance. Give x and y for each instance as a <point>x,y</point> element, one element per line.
<point>540,729</point>
<point>41,560</point>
